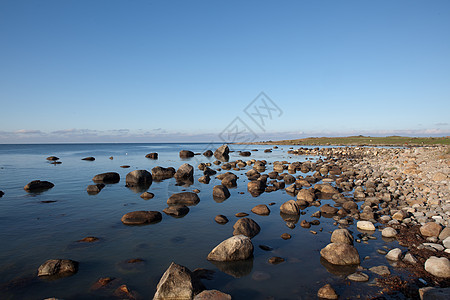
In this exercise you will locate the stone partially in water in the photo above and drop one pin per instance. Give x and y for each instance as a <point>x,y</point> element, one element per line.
<point>221,219</point>
<point>247,227</point>
<point>340,254</point>
<point>394,254</point>
<point>221,192</point>
<point>389,232</point>
<point>290,208</point>
<point>178,282</point>
<point>176,210</point>
<point>147,195</point>
<point>185,198</point>
<point>365,225</point>
<point>58,267</point>
<point>38,186</point>
<point>139,178</point>
<point>342,236</point>
<point>238,247</point>
<point>327,292</point>
<point>141,217</point>
<point>212,295</point>
<point>261,210</point>
<point>359,277</point>
<point>108,177</point>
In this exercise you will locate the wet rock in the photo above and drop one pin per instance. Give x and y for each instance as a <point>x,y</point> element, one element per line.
<point>241,214</point>
<point>365,225</point>
<point>212,295</point>
<point>247,227</point>
<point>160,173</point>
<point>186,154</point>
<point>342,236</point>
<point>147,195</point>
<point>176,210</point>
<point>285,236</point>
<point>221,219</point>
<point>430,229</point>
<point>102,283</point>
<point>89,239</point>
<point>185,198</point>
<point>208,153</point>
<point>1,194</point>
<point>389,232</point>
<point>349,206</point>
<point>329,210</point>
<point>204,179</point>
<point>327,292</point>
<point>184,172</point>
<point>409,258</point>
<point>380,270</point>
<point>108,177</point>
<point>358,277</point>
<point>152,155</point>
<point>89,158</point>
<point>438,266</point>
<point>306,195</point>
<point>94,189</point>
<point>38,186</point>
<point>139,178</point>
<point>326,188</point>
<point>340,254</point>
<point>275,260</point>
<point>290,208</point>
<point>261,210</point>
<point>221,192</point>
<point>228,179</point>
<point>58,267</point>
<point>256,187</point>
<point>235,248</point>
<point>125,166</point>
<point>141,217</point>
<point>394,254</point>
<point>222,153</point>
<point>124,292</point>
<point>52,158</point>
<point>178,282</point>
<point>305,224</point>
<point>245,153</point>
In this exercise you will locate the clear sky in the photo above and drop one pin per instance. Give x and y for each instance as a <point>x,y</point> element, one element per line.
<point>149,71</point>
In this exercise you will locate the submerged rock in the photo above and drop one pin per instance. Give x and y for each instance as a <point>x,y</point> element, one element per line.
<point>238,247</point>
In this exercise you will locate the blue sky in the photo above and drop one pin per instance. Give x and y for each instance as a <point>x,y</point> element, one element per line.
<point>149,71</point>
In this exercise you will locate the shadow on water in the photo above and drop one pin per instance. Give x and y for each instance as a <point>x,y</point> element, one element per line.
<point>342,271</point>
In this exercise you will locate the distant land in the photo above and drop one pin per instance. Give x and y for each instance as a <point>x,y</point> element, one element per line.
<point>362,141</point>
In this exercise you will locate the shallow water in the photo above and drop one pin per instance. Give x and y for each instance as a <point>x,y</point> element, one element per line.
<point>33,232</point>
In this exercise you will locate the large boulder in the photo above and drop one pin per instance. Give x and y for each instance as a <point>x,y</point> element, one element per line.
<point>221,192</point>
<point>290,208</point>
<point>438,266</point>
<point>340,254</point>
<point>108,177</point>
<point>342,236</point>
<point>160,173</point>
<point>186,154</point>
<point>184,172</point>
<point>184,198</point>
<point>58,267</point>
<point>235,248</point>
<point>139,178</point>
<point>247,227</point>
<point>37,186</point>
<point>430,229</point>
<point>178,282</point>
<point>222,153</point>
<point>141,217</point>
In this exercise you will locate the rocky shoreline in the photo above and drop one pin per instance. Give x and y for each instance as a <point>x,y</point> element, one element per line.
<point>402,192</point>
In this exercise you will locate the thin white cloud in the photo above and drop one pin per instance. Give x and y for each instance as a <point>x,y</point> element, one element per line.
<point>28,131</point>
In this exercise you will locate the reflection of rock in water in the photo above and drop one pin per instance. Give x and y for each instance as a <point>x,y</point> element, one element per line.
<point>342,271</point>
<point>186,182</point>
<point>140,188</point>
<point>236,269</point>
<point>290,218</point>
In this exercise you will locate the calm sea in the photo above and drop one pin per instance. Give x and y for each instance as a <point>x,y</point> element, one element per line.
<point>33,231</point>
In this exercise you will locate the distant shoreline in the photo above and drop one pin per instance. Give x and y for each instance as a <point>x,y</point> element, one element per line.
<point>360,141</point>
